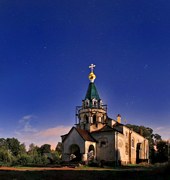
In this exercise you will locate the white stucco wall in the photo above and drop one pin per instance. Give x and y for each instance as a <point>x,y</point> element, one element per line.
<point>105,152</point>
<point>126,139</point>
<point>117,146</point>
<point>74,138</point>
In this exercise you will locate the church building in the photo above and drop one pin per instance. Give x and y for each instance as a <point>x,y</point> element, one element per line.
<point>97,137</point>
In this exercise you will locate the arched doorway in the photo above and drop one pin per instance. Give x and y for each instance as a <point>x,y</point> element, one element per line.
<point>138,148</point>
<point>75,154</point>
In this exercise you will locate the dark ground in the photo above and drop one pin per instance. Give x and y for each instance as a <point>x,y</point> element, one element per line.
<point>78,174</point>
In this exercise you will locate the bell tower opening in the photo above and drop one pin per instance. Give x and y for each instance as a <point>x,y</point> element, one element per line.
<point>94,119</point>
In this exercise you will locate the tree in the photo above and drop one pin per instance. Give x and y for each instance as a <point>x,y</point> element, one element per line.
<point>162,151</point>
<point>33,150</point>
<point>59,148</point>
<point>3,142</point>
<point>24,159</point>
<point>13,145</point>
<point>5,156</point>
<point>10,150</point>
<point>157,138</point>
<point>46,148</point>
<point>22,149</point>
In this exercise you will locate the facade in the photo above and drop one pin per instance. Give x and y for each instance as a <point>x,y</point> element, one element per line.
<point>96,137</point>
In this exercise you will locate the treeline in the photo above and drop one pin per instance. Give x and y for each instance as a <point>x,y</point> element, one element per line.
<point>158,148</point>
<point>14,153</point>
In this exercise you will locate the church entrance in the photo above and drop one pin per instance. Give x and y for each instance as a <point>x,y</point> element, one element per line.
<point>138,153</point>
<point>75,154</point>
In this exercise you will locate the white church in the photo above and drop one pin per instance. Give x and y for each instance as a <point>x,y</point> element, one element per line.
<point>97,137</point>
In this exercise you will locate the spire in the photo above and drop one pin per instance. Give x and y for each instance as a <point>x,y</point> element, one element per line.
<point>92,91</point>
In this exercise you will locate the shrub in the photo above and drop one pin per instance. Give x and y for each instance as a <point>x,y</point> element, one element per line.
<point>24,159</point>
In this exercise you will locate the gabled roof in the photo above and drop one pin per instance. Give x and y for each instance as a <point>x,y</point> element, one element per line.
<point>117,127</point>
<point>83,133</point>
<point>110,119</point>
<point>63,137</point>
<point>106,128</point>
<point>92,92</point>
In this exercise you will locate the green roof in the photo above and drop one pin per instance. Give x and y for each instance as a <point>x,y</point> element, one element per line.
<point>92,92</point>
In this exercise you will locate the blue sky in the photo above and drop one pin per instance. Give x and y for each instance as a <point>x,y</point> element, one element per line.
<point>47,46</point>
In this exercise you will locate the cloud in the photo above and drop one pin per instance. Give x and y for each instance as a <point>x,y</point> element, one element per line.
<point>25,124</point>
<point>54,131</point>
<point>159,128</point>
<point>45,136</point>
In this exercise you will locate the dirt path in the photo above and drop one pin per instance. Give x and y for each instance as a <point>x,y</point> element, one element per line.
<point>35,168</point>
<point>66,168</point>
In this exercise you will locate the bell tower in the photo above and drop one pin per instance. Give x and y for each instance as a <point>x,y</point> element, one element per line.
<point>92,114</point>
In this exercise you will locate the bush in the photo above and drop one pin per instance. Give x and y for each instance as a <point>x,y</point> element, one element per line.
<point>45,160</point>
<point>24,159</point>
<point>5,156</point>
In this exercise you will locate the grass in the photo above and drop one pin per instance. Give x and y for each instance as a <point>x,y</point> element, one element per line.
<point>88,173</point>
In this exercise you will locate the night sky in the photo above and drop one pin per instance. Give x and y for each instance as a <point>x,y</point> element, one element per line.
<point>47,46</point>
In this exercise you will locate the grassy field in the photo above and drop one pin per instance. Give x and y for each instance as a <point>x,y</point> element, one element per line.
<point>82,173</point>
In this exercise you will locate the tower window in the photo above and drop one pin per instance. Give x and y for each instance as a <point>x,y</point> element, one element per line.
<point>102,119</point>
<point>94,119</point>
<point>95,103</point>
<point>86,103</point>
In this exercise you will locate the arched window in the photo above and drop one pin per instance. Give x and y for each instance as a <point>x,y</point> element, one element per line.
<point>103,142</point>
<point>94,119</point>
<point>86,103</point>
<point>126,149</point>
<point>133,142</point>
<point>91,153</point>
<point>91,148</point>
<point>94,102</point>
<point>102,119</point>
